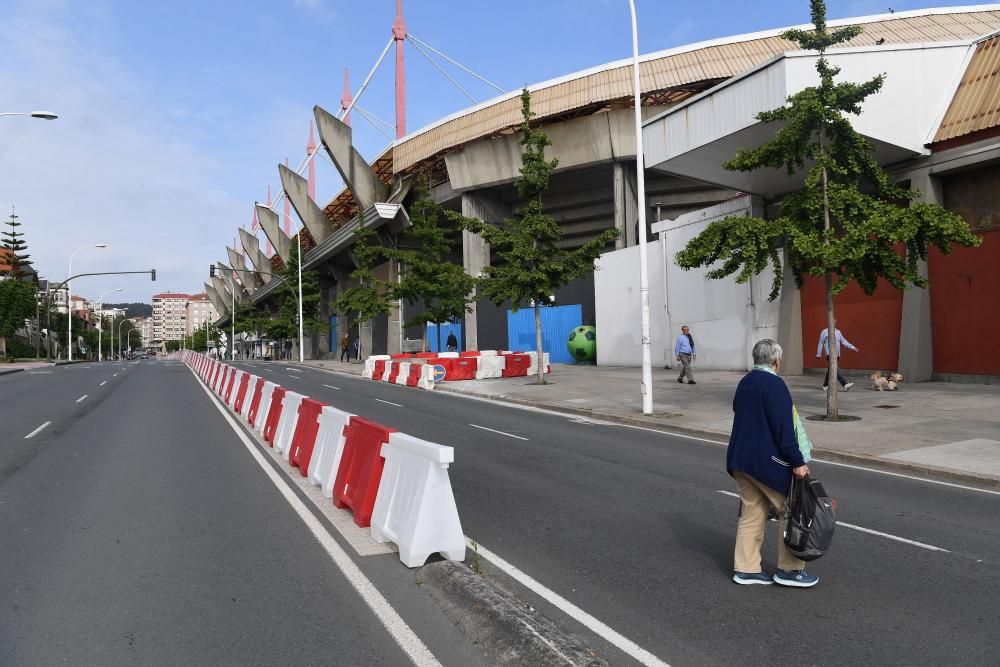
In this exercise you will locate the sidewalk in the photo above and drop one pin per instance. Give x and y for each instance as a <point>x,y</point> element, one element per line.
<point>946,430</point>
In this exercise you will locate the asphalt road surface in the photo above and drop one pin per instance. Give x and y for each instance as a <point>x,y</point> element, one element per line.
<point>635,527</point>
<point>136,528</point>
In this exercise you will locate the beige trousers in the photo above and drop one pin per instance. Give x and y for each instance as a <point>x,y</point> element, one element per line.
<point>756,498</point>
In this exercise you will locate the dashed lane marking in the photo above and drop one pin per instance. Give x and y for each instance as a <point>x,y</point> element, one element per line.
<point>37,431</point>
<point>294,370</point>
<point>103,383</point>
<point>390,403</point>
<point>115,375</point>
<point>493,430</point>
<point>330,386</point>
<point>888,536</point>
<point>82,398</point>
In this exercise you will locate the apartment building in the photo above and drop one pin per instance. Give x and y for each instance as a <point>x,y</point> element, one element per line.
<point>199,311</point>
<point>169,317</point>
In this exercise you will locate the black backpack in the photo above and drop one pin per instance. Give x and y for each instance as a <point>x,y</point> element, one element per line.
<point>811,519</point>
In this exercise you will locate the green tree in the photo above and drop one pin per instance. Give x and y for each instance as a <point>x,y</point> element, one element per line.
<point>14,244</point>
<point>17,303</point>
<point>534,262</point>
<point>847,222</point>
<point>288,304</point>
<point>428,275</point>
<point>172,345</point>
<point>369,297</point>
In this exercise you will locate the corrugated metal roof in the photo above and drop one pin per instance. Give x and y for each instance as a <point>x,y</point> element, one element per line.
<point>976,104</point>
<point>675,69</point>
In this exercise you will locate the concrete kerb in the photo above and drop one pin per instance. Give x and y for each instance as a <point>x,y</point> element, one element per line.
<point>8,371</point>
<point>916,469</point>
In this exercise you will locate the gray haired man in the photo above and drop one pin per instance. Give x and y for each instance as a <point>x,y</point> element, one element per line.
<point>686,353</point>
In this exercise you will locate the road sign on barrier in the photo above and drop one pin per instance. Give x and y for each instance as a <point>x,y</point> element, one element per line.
<point>439,373</point>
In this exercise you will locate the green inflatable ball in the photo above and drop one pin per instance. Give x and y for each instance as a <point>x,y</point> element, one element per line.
<point>582,343</point>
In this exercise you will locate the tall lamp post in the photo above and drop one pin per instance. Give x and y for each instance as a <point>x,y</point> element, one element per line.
<point>69,299</point>
<point>124,320</point>
<point>100,321</point>
<point>298,238</point>
<point>44,115</point>
<point>647,367</point>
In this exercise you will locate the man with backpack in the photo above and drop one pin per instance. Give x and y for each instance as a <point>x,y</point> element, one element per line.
<point>762,457</point>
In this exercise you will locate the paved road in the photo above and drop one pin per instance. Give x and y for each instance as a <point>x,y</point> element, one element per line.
<point>137,529</point>
<point>635,527</point>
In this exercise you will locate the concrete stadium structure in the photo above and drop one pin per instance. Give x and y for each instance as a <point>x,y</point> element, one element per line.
<point>472,157</point>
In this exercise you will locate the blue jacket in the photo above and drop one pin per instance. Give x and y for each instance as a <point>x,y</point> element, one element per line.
<point>763,443</point>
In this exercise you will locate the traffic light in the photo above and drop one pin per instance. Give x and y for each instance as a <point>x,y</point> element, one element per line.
<point>211,271</point>
<point>152,274</point>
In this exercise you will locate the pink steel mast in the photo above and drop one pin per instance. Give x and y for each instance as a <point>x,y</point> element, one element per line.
<point>399,34</point>
<point>288,210</point>
<point>270,250</point>
<point>310,149</point>
<point>346,99</point>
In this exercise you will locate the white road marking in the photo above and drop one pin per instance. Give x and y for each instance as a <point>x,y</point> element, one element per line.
<point>493,430</point>
<point>294,370</point>
<point>114,375</point>
<point>411,644</point>
<point>37,431</point>
<point>390,403</point>
<point>568,608</point>
<point>103,383</point>
<point>331,386</point>
<point>888,536</point>
<point>79,400</point>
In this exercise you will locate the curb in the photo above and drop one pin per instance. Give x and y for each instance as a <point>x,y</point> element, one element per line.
<point>833,455</point>
<point>10,370</point>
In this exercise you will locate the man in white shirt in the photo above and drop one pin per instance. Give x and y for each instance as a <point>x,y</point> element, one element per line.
<point>823,348</point>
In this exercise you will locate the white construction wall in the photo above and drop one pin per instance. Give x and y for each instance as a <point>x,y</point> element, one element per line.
<point>725,318</point>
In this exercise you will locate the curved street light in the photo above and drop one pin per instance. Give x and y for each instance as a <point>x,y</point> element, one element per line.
<point>44,115</point>
<point>124,320</point>
<point>69,299</point>
<point>100,321</point>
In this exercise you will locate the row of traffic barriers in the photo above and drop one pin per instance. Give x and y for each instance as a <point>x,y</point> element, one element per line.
<point>425,368</point>
<point>395,484</point>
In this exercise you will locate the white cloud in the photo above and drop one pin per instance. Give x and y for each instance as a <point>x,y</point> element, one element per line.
<point>113,168</point>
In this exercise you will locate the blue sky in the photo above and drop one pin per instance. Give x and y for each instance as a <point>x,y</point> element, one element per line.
<point>174,115</point>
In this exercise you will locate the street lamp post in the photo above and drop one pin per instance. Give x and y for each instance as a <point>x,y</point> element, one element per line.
<point>69,299</point>
<point>44,115</point>
<point>124,320</point>
<point>100,321</point>
<point>647,369</point>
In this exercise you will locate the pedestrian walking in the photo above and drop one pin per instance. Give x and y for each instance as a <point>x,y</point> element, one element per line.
<point>345,346</point>
<point>686,354</point>
<point>452,342</point>
<point>822,348</point>
<point>762,457</point>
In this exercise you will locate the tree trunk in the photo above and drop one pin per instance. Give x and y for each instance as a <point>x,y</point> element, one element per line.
<point>832,386</point>
<point>538,343</point>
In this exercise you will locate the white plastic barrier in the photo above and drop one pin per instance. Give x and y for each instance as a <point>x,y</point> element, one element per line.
<point>286,422</point>
<point>533,368</point>
<point>329,447</point>
<point>426,380</point>
<point>248,397</point>
<point>448,355</point>
<point>264,407</point>
<point>388,369</point>
<point>415,507</point>
<point>404,372</point>
<point>237,378</point>
<point>490,367</point>
<point>488,353</point>
<point>370,365</point>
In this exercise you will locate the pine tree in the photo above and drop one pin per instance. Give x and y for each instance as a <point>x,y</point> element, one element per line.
<point>428,275</point>
<point>534,265</point>
<point>369,297</point>
<point>847,222</point>
<point>14,244</point>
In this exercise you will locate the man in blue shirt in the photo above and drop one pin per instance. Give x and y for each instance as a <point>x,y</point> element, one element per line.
<point>685,351</point>
<point>822,348</point>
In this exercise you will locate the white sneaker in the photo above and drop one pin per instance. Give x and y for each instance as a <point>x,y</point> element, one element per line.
<point>847,387</point>
<point>824,388</point>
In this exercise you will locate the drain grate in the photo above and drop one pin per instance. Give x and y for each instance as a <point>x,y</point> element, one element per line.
<point>886,407</point>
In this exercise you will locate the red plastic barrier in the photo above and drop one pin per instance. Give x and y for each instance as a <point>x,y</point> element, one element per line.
<point>404,355</point>
<point>241,393</point>
<point>463,368</point>
<point>304,438</point>
<point>379,370</point>
<point>469,353</point>
<point>517,365</point>
<point>414,377</point>
<point>258,392</point>
<point>273,414</point>
<point>425,355</point>
<point>230,381</point>
<point>394,373</point>
<point>215,375</point>
<point>360,468</point>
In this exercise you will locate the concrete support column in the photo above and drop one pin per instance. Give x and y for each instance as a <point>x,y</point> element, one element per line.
<point>916,354</point>
<point>321,341</point>
<point>476,251</point>
<point>789,321</point>
<point>626,210</point>
<point>392,344</point>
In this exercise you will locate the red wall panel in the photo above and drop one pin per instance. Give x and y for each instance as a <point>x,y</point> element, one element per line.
<point>965,308</point>
<point>869,322</point>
